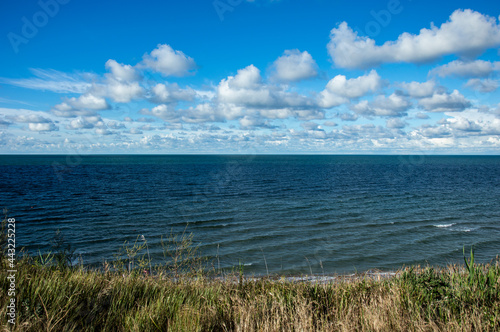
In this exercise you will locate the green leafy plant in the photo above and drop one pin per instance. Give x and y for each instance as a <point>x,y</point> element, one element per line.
<point>181,256</point>
<point>469,264</point>
<point>63,250</point>
<point>131,251</point>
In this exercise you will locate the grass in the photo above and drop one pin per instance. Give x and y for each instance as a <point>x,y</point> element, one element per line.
<point>72,299</point>
<point>52,295</point>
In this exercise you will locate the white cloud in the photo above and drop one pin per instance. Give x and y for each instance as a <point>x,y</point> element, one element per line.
<point>121,72</point>
<point>421,116</point>
<point>395,123</point>
<point>473,120</point>
<point>464,124</point>
<point>135,131</point>
<point>246,78</point>
<point>86,101</point>
<point>445,102</point>
<point>64,110</point>
<point>434,131</point>
<point>459,68</point>
<point>202,113</point>
<point>103,131</point>
<point>122,92</point>
<point>420,90</point>
<point>42,126</point>
<point>246,89</point>
<point>165,112</point>
<point>369,131</point>
<point>80,123</point>
<point>37,121</point>
<point>248,122</point>
<point>30,118</point>
<point>169,62</point>
<point>330,124</point>
<point>467,33</point>
<point>162,93</point>
<point>348,116</point>
<point>484,86</point>
<point>394,105</point>
<point>121,83</point>
<point>310,126</point>
<point>53,80</point>
<point>294,66</point>
<point>340,90</point>
<point>115,125</point>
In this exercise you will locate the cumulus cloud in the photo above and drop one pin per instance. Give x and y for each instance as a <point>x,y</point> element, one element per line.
<point>311,126</point>
<point>348,116</point>
<point>123,92</point>
<point>171,93</point>
<point>467,69</point>
<point>103,131</point>
<point>64,110</point>
<point>482,85</point>
<point>80,123</point>
<point>464,124</point>
<point>202,113</point>
<point>36,122</point>
<point>445,102</point>
<point>434,131</point>
<point>169,62</point>
<point>421,116</point>
<point>42,126</point>
<point>366,131</point>
<point>121,72</point>
<point>330,124</point>
<point>420,90</point>
<point>467,124</point>
<point>30,118</point>
<point>115,125</point>
<point>89,101</point>
<point>395,123</point>
<point>294,66</point>
<point>249,122</point>
<point>164,111</point>
<point>246,90</point>
<point>394,105</point>
<point>341,90</point>
<point>481,32</point>
<point>135,131</point>
<point>121,84</point>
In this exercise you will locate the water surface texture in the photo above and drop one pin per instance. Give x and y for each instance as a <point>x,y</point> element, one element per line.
<point>325,214</point>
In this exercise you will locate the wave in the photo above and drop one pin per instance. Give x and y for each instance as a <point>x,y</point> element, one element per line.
<point>445,225</point>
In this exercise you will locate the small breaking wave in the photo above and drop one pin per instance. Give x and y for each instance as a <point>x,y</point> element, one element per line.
<point>467,229</point>
<point>444,226</point>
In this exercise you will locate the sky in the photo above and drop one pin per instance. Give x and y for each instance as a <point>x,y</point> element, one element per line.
<point>245,77</point>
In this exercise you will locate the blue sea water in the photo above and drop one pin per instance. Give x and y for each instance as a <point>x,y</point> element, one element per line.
<point>297,214</point>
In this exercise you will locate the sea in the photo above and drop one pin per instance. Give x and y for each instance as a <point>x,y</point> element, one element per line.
<point>265,214</point>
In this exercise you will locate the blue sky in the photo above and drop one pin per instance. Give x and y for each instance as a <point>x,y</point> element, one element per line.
<point>262,76</point>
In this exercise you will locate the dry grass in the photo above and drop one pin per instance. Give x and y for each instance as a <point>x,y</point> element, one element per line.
<point>68,299</point>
